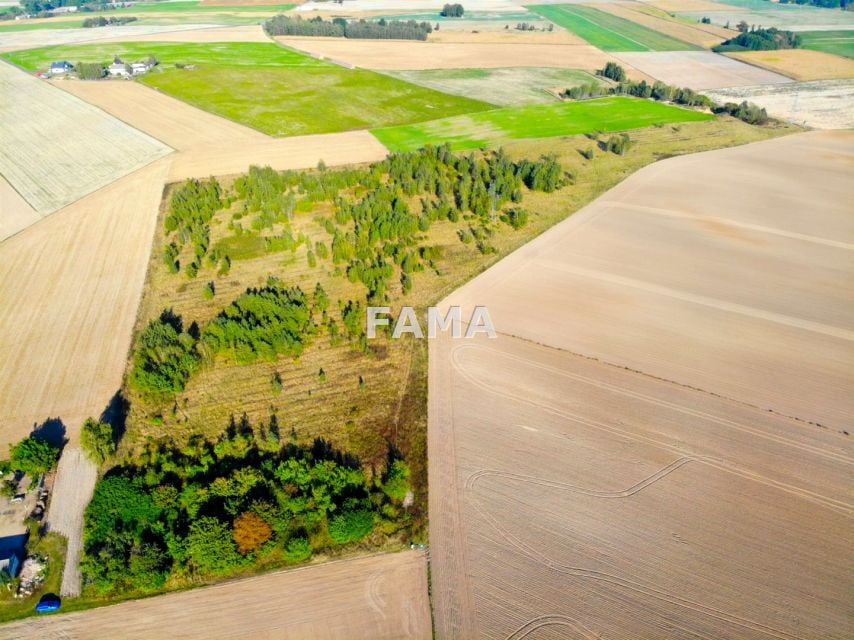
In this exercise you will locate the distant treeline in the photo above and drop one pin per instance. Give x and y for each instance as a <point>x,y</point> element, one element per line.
<point>381,29</point>
<point>826,4</point>
<point>453,11</point>
<point>761,40</point>
<point>750,113</point>
<point>101,21</point>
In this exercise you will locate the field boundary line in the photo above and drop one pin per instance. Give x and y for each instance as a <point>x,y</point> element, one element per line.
<point>714,303</point>
<point>596,24</point>
<point>673,213</point>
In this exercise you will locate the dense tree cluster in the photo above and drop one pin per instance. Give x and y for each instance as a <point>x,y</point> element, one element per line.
<point>101,21</point>
<point>33,456</point>
<point>212,508</point>
<point>452,11</point>
<point>262,323</point>
<point>663,93</point>
<point>164,358</point>
<point>746,111</point>
<point>98,440</point>
<point>191,208</point>
<point>827,4</point>
<point>90,70</point>
<point>759,39</point>
<point>381,29</point>
<point>612,71</point>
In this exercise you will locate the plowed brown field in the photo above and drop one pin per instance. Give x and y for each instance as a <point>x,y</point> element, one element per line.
<point>637,454</point>
<point>383,596</point>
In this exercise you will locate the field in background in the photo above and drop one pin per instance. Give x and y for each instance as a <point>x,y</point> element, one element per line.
<point>823,104</point>
<point>493,128</point>
<point>576,491</point>
<point>699,70</point>
<point>396,55</point>
<point>609,32</point>
<point>839,42</point>
<point>790,16</point>
<point>278,91</point>
<point>702,35</point>
<point>505,87</point>
<point>72,147</point>
<point>800,64</point>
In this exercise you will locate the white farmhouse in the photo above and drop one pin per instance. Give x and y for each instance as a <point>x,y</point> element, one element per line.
<point>119,69</point>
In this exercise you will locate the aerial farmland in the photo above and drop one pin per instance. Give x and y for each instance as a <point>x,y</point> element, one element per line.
<point>413,319</point>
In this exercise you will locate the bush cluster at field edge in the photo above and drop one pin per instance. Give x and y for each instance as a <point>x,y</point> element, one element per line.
<point>276,90</point>
<point>492,128</point>
<point>609,32</point>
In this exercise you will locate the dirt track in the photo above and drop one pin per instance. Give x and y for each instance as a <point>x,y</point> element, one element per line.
<point>569,496</point>
<point>383,596</point>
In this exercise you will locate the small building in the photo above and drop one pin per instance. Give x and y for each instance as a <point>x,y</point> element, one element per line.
<point>119,69</point>
<point>60,67</point>
<point>9,563</point>
<point>138,68</point>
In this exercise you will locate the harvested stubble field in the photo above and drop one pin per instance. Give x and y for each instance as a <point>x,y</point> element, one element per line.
<point>17,212</point>
<point>70,287</point>
<point>610,32</point>
<point>246,33</point>
<point>800,64</point>
<point>382,596</point>
<point>278,91</point>
<point>700,69</point>
<point>504,87</point>
<point>23,40</point>
<point>702,35</point>
<point>695,506</point>
<point>396,55</point>
<point>73,148</point>
<point>840,43</point>
<point>823,104</point>
<point>496,127</point>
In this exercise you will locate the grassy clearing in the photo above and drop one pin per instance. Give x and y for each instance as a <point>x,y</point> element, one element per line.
<point>497,127</point>
<point>51,546</point>
<point>504,87</point>
<point>268,87</point>
<point>608,32</point>
<point>840,43</point>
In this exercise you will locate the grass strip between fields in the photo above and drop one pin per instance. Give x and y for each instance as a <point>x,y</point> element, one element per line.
<point>496,127</point>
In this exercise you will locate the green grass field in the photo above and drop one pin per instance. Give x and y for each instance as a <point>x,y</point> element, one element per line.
<point>608,32</point>
<point>499,126</point>
<point>276,90</point>
<point>25,25</point>
<point>839,42</point>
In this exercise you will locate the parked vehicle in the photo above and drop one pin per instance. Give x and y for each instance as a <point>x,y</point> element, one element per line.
<point>48,603</point>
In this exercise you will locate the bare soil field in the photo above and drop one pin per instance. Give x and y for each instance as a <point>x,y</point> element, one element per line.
<point>823,104</point>
<point>704,35</point>
<point>800,64</point>
<point>686,491</point>
<point>403,55</point>
<point>511,36</point>
<point>382,596</point>
<point>699,69</point>
<point>17,213</point>
<point>16,40</point>
<point>70,287</point>
<point>88,149</point>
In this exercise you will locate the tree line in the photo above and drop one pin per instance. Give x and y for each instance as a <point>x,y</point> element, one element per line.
<point>452,11</point>
<point>101,21</point>
<point>212,508</point>
<point>663,92</point>
<point>759,39</point>
<point>381,29</point>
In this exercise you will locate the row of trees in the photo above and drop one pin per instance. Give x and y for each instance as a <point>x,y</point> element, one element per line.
<point>382,29</point>
<point>747,112</point>
<point>759,39</point>
<point>827,4</point>
<point>211,508</point>
<point>452,11</point>
<point>101,21</point>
